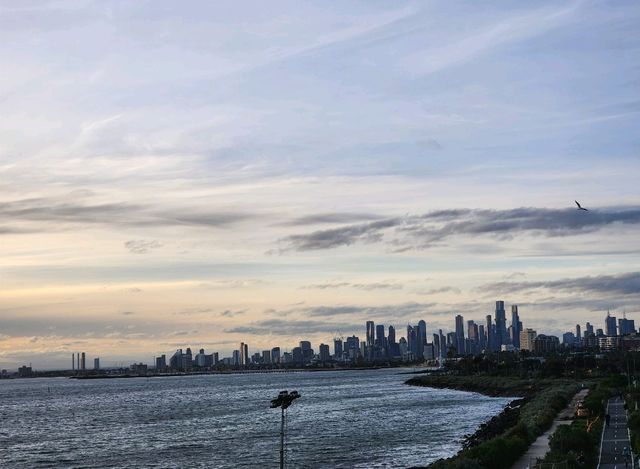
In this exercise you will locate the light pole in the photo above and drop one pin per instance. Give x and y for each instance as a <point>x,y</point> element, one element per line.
<point>284,400</point>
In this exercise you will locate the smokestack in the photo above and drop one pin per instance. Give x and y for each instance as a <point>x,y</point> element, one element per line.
<point>73,362</point>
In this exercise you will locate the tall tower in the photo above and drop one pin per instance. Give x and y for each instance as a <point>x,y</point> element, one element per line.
<point>501,325</point>
<point>83,364</point>
<point>371,333</point>
<point>490,338</point>
<point>421,337</point>
<point>73,361</point>
<point>516,326</point>
<point>460,348</point>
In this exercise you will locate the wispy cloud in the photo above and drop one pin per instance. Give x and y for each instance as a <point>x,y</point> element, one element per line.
<point>423,231</point>
<point>619,284</point>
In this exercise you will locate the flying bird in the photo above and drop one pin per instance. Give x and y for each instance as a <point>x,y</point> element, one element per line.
<point>580,207</point>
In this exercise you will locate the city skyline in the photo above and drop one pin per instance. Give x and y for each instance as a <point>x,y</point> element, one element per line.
<point>250,172</point>
<point>380,342</point>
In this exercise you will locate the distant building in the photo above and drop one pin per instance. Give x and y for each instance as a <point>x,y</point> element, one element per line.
<point>25,371</point>
<point>544,344</point>
<point>235,358</point>
<point>297,355</point>
<point>275,355</point>
<point>527,336</point>
<point>161,362</point>
<point>325,356</point>
<point>244,354</point>
<point>516,326</point>
<point>96,363</point>
<point>371,331</point>
<point>501,325</point>
<point>568,339</point>
<point>307,351</point>
<point>266,357</point>
<point>337,348</point>
<point>626,326</point>
<point>139,368</point>
<point>83,362</point>
<point>610,325</point>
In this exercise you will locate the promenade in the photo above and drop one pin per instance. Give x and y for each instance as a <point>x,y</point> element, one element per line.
<point>540,447</point>
<point>615,437</point>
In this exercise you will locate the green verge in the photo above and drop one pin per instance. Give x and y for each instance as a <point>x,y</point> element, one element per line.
<point>575,446</point>
<point>545,398</point>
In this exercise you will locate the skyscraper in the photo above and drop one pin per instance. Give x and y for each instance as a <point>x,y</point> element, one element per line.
<point>324,353</point>
<point>307,351</point>
<point>412,341</point>
<point>527,336</point>
<point>380,336</point>
<point>516,326</point>
<point>96,363</point>
<point>490,339</point>
<point>275,355</point>
<point>421,337</point>
<point>371,334</point>
<point>501,325</point>
<point>610,325</point>
<point>244,354</point>
<point>337,348</point>
<point>83,363</point>
<point>459,342</point>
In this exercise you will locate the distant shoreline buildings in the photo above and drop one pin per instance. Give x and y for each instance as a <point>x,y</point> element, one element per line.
<point>382,346</point>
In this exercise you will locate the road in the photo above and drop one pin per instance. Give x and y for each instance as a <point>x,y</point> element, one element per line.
<point>615,437</point>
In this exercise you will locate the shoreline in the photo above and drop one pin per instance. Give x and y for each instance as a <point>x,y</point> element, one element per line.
<point>498,424</point>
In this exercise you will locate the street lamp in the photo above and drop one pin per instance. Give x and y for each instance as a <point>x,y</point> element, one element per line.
<point>284,400</point>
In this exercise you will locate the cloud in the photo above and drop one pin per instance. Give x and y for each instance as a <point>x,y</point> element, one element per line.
<point>283,327</point>
<point>141,246</point>
<point>230,314</point>
<point>331,218</point>
<point>358,286</point>
<point>127,313</point>
<point>76,211</point>
<point>424,231</point>
<point>620,284</point>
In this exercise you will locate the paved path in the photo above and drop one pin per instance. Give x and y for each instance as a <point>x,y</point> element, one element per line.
<point>614,437</point>
<point>540,447</point>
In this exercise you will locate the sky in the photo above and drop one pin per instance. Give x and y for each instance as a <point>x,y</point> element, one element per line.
<point>204,173</point>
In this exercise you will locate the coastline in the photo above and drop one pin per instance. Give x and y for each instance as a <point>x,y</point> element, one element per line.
<point>498,424</point>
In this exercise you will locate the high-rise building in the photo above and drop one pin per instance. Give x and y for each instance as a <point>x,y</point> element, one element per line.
<point>391,343</point>
<point>588,330</point>
<point>96,363</point>
<point>161,362</point>
<point>201,359</point>
<point>371,334</point>
<point>83,362</point>
<point>275,355</point>
<point>412,340</point>
<point>489,331</point>
<point>235,358</point>
<point>324,353</point>
<point>568,339</point>
<point>610,325</point>
<point>626,326</point>
<point>307,351</point>
<point>482,338</point>
<point>73,361</point>
<point>501,325</point>
<point>421,337</point>
<point>244,354</point>
<point>527,337</point>
<point>459,340</point>
<point>578,334</point>
<point>516,326</point>
<point>352,347</point>
<point>337,348</point>
<point>380,336</point>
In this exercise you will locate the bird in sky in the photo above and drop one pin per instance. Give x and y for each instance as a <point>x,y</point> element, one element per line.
<point>580,207</point>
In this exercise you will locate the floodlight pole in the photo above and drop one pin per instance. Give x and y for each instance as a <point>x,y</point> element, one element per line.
<point>282,440</point>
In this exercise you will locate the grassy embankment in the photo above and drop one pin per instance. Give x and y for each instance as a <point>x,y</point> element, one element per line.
<point>544,398</point>
<point>577,445</point>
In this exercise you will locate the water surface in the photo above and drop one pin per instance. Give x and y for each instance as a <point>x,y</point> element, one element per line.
<point>361,419</point>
